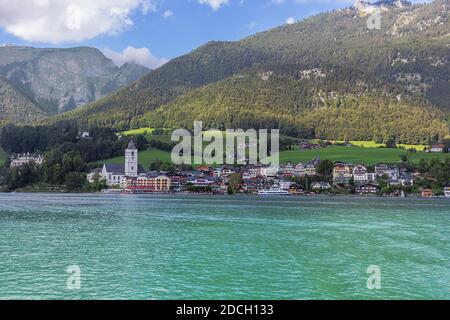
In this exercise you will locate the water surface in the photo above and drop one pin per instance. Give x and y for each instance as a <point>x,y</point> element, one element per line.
<point>207,247</point>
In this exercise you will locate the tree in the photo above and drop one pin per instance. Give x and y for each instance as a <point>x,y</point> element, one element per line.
<point>74,181</point>
<point>235,182</point>
<point>325,168</point>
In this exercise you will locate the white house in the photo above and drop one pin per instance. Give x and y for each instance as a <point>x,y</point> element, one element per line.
<point>360,174</point>
<point>447,192</point>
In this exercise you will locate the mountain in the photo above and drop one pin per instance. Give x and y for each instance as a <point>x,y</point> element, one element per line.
<point>60,80</point>
<point>15,106</point>
<point>328,70</point>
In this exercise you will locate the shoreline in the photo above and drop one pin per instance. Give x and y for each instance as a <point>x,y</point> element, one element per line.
<point>410,196</point>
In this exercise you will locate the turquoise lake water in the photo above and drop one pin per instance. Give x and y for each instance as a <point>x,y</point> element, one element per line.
<point>207,247</point>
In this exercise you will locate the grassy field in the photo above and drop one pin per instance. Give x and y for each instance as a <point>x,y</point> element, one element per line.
<point>372,144</point>
<point>367,156</point>
<point>145,158</point>
<point>2,156</point>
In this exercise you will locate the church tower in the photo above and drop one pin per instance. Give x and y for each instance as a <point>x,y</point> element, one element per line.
<point>131,160</point>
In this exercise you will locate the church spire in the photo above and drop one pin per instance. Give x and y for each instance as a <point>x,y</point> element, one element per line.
<point>131,145</point>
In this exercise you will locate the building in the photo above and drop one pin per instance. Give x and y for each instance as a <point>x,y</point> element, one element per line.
<point>406,180</point>
<point>115,174</point>
<point>296,190</point>
<point>447,192</point>
<point>382,169</point>
<point>151,183</point>
<point>310,167</point>
<point>360,174</point>
<point>21,160</point>
<point>342,173</point>
<point>439,147</point>
<point>317,186</point>
<point>94,174</point>
<point>367,189</point>
<point>288,170</point>
<point>427,193</point>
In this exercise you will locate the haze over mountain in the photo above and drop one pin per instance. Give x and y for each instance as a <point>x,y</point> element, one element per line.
<point>58,80</point>
<point>328,76</point>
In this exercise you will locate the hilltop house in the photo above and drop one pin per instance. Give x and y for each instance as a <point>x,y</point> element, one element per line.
<point>439,147</point>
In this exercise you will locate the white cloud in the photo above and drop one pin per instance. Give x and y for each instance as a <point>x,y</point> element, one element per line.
<point>141,56</point>
<point>214,4</point>
<point>290,20</point>
<point>58,21</point>
<point>167,14</point>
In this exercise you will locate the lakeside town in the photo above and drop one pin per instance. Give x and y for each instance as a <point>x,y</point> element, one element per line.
<point>318,176</point>
<point>314,177</point>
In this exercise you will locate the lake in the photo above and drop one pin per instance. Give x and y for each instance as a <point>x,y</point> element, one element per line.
<point>222,247</point>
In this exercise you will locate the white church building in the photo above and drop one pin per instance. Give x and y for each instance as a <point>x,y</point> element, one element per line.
<point>115,174</point>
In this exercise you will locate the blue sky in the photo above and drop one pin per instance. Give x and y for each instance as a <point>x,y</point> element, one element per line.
<point>165,28</point>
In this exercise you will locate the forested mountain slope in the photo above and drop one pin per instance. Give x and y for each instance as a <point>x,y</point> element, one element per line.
<point>329,68</point>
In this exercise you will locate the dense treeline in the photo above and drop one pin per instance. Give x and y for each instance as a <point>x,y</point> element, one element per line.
<point>62,171</point>
<point>299,108</point>
<point>102,143</point>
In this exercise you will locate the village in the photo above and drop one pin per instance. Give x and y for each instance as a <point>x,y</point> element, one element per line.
<point>286,179</point>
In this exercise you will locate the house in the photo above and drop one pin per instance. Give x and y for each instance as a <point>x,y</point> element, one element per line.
<point>223,171</point>
<point>372,178</point>
<point>447,192</point>
<point>94,174</point>
<point>270,172</point>
<point>288,170</point>
<point>342,173</point>
<point>285,184</point>
<point>147,184</point>
<point>299,170</point>
<point>252,185</point>
<point>360,174</point>
<point>21,160</point>
<point>439,147</point>
<point>406,180</point>
<point>427,193</point>
<point>295,189</point>
<point>310,167</point>
<point>382,169</point>
<point>201,182</point>
<point>317,186</point>
<point>177,182</point>
<point>367,189</point>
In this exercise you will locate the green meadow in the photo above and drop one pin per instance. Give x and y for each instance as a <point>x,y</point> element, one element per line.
<point>145,158</point>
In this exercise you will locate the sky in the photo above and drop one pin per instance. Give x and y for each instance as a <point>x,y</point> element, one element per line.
<point>149,32</point>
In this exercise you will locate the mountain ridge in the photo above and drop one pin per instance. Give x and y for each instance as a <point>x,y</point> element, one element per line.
<point>407,59</point>
<point>62,79</point>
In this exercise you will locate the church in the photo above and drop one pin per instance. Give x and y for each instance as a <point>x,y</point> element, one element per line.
<point>131,177</point>
<point>116,174</point>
